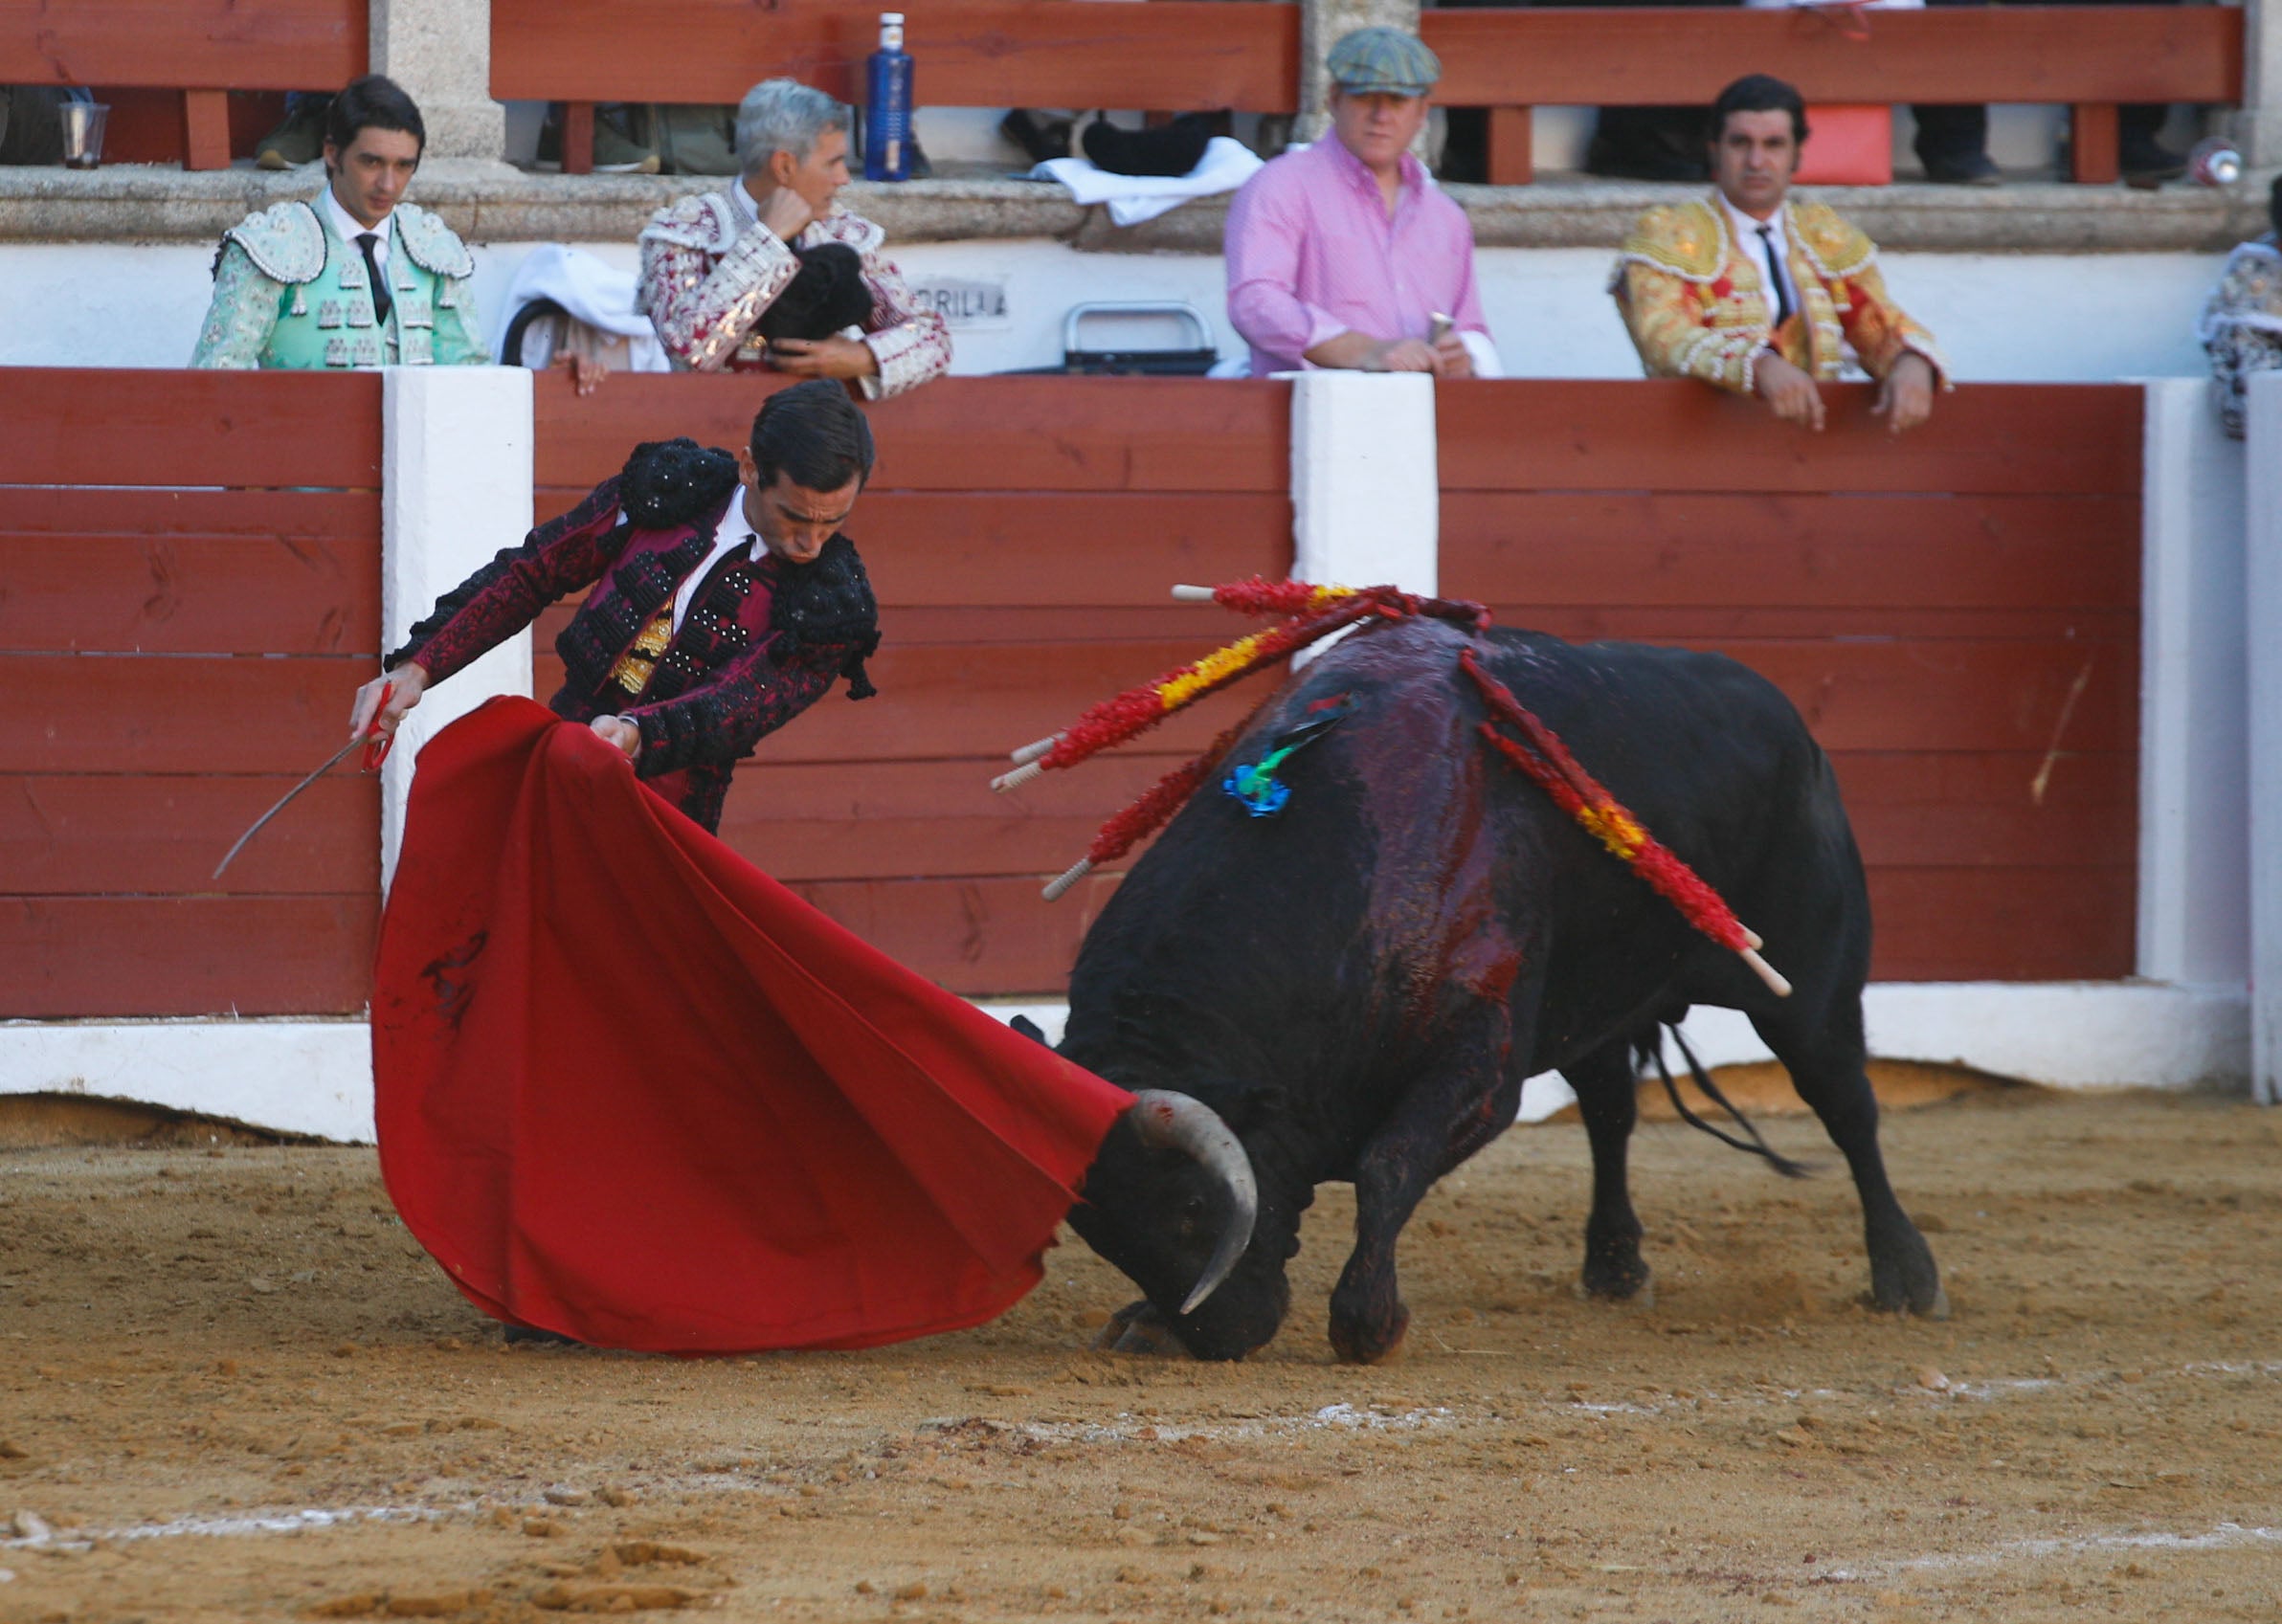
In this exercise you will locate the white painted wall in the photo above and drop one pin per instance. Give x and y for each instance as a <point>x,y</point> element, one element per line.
<point>2019,317</point>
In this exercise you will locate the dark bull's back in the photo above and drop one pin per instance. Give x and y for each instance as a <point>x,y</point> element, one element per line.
<point>1360,982</point>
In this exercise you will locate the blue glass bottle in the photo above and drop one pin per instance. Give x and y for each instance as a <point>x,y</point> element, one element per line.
<point>887,104</point>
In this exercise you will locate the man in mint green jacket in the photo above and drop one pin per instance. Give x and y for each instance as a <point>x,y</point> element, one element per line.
<point>355,278</point>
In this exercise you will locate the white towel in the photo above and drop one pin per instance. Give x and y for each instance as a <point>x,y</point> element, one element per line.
<point>1227,165</point>
<point>601,297</point>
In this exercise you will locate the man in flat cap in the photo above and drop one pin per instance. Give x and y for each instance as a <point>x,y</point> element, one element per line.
<point>1346,254</point>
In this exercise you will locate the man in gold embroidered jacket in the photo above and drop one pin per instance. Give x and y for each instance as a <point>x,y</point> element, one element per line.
<point>1760,293</point>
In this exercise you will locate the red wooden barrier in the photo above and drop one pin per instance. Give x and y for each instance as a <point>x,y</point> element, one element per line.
<point>1512,60</point>
<point>178,647</point>
<point>201,47</point>
<point>1956,614</point>
<point>1022,533</point>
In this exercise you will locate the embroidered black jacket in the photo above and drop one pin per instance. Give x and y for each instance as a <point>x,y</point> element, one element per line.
<point>762,639</point>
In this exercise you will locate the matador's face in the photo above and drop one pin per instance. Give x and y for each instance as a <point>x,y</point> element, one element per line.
<point>1753,158</point>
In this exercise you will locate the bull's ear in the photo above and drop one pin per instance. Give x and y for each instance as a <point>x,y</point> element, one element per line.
<point>1029,1028</point>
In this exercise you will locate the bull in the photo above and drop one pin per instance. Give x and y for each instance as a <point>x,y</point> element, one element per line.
<point>1356,989</point>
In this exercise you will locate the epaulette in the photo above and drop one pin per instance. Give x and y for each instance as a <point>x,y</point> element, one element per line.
<point>854,230</point>
<point>706,220</point>
<point>1685,238</point>
<point>829,603</point>
<point>669,482</point>
<point>285,241</point>
<point>1837,247</point>
<point>433,245</point>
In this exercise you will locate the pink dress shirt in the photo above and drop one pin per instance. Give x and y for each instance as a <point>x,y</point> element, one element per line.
<point>1313,254</point>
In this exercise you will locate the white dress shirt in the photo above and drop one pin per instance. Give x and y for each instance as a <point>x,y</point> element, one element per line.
<point>1747,234</point>
<point>345,226</point>
<point>733,532</point>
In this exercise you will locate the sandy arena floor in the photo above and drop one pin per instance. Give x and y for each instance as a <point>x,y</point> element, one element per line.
<point>231,1388</point>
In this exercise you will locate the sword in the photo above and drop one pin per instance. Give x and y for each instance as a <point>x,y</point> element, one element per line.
<point>376,745</point>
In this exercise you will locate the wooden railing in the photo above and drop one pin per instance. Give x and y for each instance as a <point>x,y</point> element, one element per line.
<point>1955,613</point>
<point>1171,55</point>
<point>2090,58</point>
<point>1182,54</point>
<point>191,564</point>
<point>203,47</point>
<point>193,592</point>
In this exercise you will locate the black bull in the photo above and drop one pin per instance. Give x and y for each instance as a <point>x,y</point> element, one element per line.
<point>1359,985</point>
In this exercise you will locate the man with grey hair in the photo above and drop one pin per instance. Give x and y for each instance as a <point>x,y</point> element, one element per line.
<point>716,266</point>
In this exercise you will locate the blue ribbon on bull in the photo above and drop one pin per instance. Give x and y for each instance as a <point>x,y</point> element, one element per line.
<point>1255,788</point>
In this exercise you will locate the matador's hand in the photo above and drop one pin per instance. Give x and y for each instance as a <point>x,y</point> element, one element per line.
<point>402,686</point>
<point>618,733</point>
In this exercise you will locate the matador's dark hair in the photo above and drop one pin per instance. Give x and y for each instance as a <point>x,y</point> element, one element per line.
<point>814,433</point>
<point>1759,93</point>
<point>374,101</point>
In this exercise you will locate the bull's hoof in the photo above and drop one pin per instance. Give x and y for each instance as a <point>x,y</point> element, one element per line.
<point>1632,1287</point>
<point>1904,1278</point>
<point>1635,1283</point>
<point>1360,1345</point>
<point>1137,1328</point>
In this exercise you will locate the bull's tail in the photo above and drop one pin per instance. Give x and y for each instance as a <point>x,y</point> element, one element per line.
<point>1652,1049</point>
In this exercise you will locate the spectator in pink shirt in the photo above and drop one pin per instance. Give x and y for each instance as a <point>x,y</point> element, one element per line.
<point>1345,255</point>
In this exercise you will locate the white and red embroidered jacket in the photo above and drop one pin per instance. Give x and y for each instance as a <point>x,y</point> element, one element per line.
<point>710,268</point>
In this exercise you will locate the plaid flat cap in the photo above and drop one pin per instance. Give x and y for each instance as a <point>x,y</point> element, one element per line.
<point>1383,61</point>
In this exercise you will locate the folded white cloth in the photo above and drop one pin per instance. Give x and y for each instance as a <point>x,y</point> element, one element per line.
<point>1227,165</point>
<point>591,290</point>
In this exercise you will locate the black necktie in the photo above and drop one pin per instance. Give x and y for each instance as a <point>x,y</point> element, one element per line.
<point>1782,294</point>
<point>367,241</point>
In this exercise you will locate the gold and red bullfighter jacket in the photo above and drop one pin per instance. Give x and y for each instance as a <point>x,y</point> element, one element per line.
<point>1694,300</point>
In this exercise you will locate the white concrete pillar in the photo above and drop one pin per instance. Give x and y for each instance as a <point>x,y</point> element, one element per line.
<point>2258,126</point>
<point>1365,483</point>
<point>439,51</point>
<point>2194,840</point>
<point>2262,599</point>
<point>456,487</point>
<point>1323,23</point>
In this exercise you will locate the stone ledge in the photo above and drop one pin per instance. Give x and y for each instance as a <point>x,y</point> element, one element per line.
<point>491,202</point>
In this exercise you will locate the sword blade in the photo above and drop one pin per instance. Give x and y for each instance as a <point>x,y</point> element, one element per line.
<point>285,801</point>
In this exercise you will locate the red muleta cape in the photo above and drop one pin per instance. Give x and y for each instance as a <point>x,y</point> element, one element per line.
<point>631,1089</point>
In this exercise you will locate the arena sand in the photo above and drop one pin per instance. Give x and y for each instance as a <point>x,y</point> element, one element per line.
<point>231,1388</point>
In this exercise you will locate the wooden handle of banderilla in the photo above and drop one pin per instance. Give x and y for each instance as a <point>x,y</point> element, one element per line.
<point>1765,971</point>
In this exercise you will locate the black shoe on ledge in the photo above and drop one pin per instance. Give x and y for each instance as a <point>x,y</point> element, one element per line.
<point>531,1336</point>
<point>1976,168</point>
<point>2144,161</point>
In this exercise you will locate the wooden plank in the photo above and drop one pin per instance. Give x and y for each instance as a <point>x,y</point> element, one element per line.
<point>205,129</point>
<point>579,138</point>
<point>189,594</point>
<point>2016,924</point>
<point>161,834</point>
<point>981,938</point>
<point>1954,696</point>
<point>1997,778</point>
<point>1512,163</point>
<point>1673,435</point>
<point>167,713</point>
<point>1004,434</point>
<point>1712,624</point>
<point>1179,55</point>
<point>1637,547</point>
<point>291,517</point>
<point>123,426</point>
<point>2094,144</point>
<point>77,957</point>
<point>212,44</point>
<point>1674,57</point>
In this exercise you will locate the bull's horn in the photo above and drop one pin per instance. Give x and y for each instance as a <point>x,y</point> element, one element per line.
<point>1167,1120</point>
